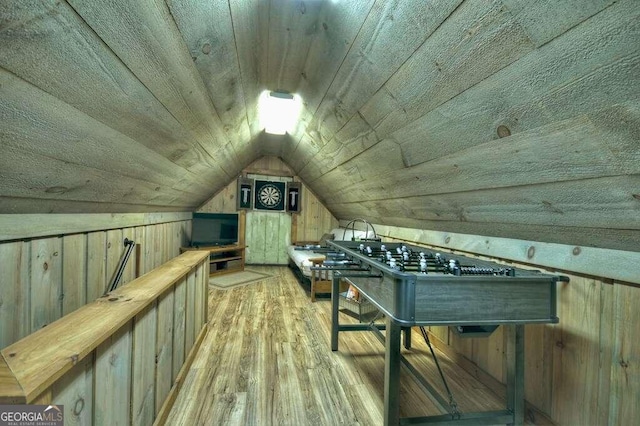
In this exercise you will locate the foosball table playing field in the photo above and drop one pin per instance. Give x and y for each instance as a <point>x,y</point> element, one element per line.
<point>416,287</point>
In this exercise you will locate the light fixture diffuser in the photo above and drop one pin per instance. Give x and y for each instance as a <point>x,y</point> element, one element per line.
<point>279,111</point>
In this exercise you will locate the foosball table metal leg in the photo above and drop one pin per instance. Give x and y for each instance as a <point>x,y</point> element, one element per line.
<point>392,362</point>
<point>335,325</point>
<point>515,372</point>
<point>407,337</point>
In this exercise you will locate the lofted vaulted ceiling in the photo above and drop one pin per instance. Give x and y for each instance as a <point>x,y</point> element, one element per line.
<point>493,117</point>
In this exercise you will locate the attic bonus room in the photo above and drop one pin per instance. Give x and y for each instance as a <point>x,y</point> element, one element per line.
<point>320,212</point>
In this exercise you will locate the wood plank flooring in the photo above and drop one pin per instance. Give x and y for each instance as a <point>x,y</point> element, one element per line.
<point>266,360</point>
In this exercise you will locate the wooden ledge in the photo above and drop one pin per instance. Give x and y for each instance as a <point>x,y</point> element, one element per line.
<point>35,362</point>
<point>10,390</point>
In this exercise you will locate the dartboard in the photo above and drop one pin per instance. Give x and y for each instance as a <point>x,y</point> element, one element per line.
<point>270,196</point>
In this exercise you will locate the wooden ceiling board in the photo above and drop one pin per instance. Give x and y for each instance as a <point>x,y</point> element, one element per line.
<point>250,20</point>
<point>30,175</point>
<point>589,237</point>
<point>603,125</point>
<point>304,147</point>
<point>553,83</point>
<point>145,37</point>
<point>491,117</point>
<point>365,165</point>
<point>340,22</point>
<point>538,89</point>
<point>34,121</point>
<point>208,32</point>
<point>48,42</point>
<point>598,203</point>
<point>475,42</point>
<point>292,27</point>
<point>20,205</point>
<point>355,137</point>
<point>552,17</point>
<point>392,32</point>
<point>526,158</point>
<point>274,145</point>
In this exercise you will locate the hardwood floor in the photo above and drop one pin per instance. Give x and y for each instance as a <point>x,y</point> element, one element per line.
<point>266,360</point>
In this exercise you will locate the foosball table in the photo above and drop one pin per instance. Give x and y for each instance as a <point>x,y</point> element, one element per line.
<point>414,286</point>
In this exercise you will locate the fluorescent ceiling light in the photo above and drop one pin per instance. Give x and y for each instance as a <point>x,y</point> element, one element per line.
<point>278,111</point>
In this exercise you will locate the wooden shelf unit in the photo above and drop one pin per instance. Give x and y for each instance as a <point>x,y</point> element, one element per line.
<point>228,258</point>
<point>223,259</point>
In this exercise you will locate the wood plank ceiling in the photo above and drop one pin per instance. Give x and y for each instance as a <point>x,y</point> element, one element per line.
<point>493,117</point>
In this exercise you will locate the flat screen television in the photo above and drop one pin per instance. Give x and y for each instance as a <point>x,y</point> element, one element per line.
<point>214,229</point>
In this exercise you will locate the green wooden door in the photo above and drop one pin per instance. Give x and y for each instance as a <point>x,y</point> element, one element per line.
<point>267,236</point>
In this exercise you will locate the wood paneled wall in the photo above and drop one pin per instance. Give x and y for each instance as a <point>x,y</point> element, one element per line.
<point>314,220</point>
<point>46,277</point>
<point>130,355</point>
<point>310,224</point>
<point>584,370</point>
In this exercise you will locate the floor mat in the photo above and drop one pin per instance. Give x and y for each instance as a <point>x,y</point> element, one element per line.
<point>235,279</point>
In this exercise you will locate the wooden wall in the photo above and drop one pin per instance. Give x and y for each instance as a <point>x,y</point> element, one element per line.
<point>45,277</point>
<point>310,224</point>
<point>584,370</point>
<point>315,219</point>
<point>130,349</point>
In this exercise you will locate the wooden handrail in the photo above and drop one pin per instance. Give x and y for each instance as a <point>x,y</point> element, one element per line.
<point>31,365</point>
<point>10,390</point>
